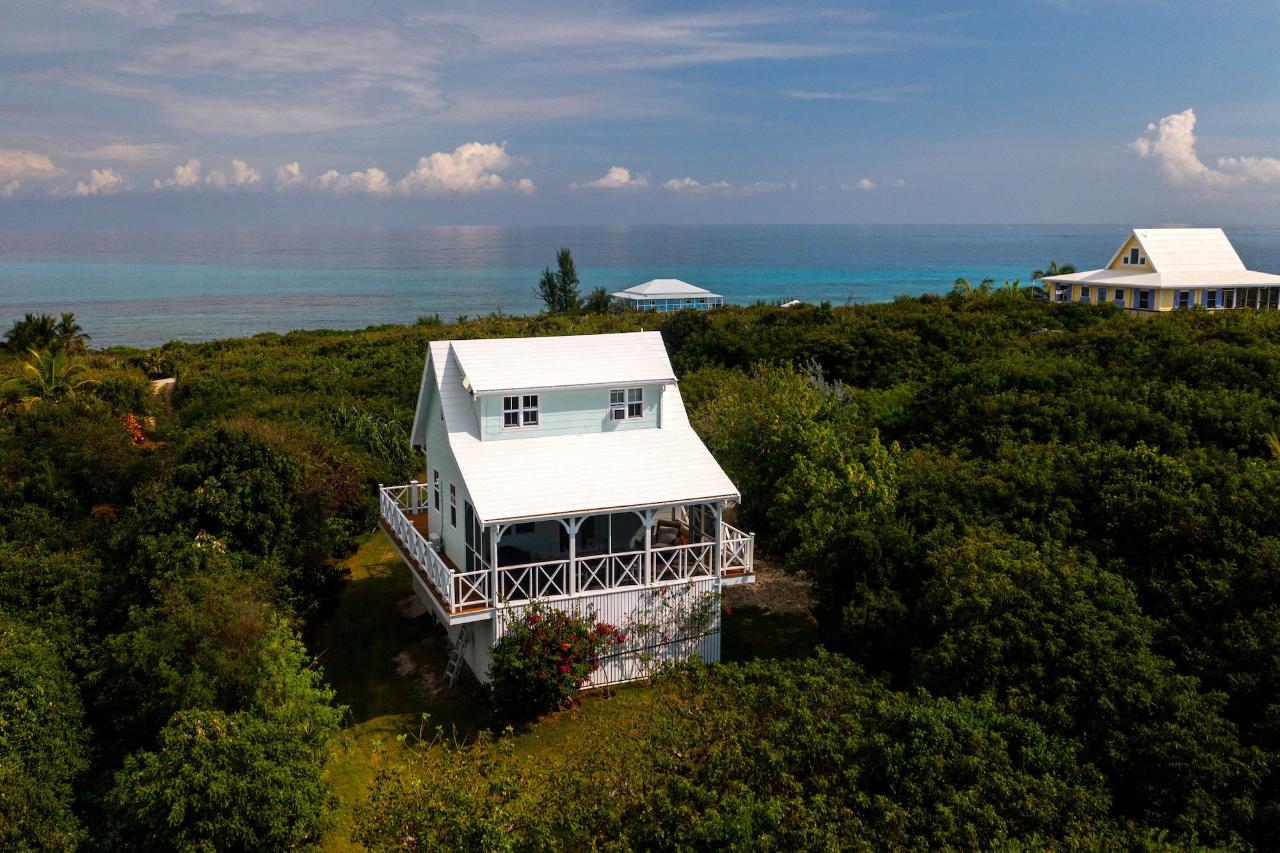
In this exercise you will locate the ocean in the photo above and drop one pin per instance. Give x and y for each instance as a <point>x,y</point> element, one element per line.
<point>142,288</point>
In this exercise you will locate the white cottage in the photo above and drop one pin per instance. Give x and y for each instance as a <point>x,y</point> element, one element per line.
<point>563,470</point>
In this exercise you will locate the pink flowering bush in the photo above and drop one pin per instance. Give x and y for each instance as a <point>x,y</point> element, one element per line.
<point>545,657</point>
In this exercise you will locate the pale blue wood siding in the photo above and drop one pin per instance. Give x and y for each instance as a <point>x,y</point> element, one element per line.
<point>575,411</point>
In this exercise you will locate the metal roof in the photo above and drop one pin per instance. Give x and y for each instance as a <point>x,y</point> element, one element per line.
<point>494,365</point>
<point>1136,278</point>
<point>543,476</point>
<point>664,288</point>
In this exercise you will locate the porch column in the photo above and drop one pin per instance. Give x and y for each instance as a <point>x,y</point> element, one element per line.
<point>648,517</point>
<point>495,533</point>
<point>572,524</point>
<point>717,558</point>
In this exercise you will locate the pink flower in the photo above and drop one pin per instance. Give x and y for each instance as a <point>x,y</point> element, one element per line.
<point>564,646</point>
<point>564,667</point>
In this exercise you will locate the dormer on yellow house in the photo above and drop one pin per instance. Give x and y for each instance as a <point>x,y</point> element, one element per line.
<point>1165,269</point>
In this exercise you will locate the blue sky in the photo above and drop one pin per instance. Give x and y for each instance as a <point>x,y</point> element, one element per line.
<point>158,112</point>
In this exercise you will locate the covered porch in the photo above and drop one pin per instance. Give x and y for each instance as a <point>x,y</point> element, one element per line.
<point>520,560</point>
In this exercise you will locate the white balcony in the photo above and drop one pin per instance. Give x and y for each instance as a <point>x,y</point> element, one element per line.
<point>473,594</point>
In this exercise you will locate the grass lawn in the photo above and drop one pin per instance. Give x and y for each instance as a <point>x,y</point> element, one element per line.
<point>386,667</point>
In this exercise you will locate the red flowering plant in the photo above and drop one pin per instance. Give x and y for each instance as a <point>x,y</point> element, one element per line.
<point>544,658</point>
<point>131,426</point>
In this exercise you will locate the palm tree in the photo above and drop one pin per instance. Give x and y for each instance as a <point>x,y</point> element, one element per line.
<point>598,302</point>
<point>1053,269</point>
<point>1274,444</point>
<point>33,330</point>
<point>964,287</point>
<point>71,334</point>
<point>50,374</point>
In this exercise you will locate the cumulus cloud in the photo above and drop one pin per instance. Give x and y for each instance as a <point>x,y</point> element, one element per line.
<point>184,177</point>
<point>289,176</point>
<point>18,167</point>
<point>473,167</point>
<point>242,175</point>
<point>470,168</point>
<point>864,184</point>
<point>372,180</point>
<point>617,178</point>
<point>101,182</point>
<point>1171,143</point>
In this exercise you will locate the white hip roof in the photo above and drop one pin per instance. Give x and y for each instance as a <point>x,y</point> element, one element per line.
<point>548,476</point>
<point>664,288</point>
<point>493,365</point>
<point>1136,278</point>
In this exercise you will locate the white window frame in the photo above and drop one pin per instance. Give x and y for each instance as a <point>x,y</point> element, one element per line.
<point>623,402</point>
<point>435,489</point>
<point>527,409</point>
<point>453,506</point>
<point>1118,297</point>
<point>1085,292</point>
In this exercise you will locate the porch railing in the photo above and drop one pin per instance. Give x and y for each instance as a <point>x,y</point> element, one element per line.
<point>464,591</point>
<point>737,550</point>
<point>455,590</point>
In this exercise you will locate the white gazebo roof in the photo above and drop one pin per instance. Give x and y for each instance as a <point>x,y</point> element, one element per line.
<point>663,288</point>
<point>560,475</point>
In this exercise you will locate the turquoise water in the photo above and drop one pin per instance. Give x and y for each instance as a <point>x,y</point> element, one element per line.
<point>144,288</point>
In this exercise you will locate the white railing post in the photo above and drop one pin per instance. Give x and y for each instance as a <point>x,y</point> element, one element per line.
<point>413,496</point>
<point>717,554</point>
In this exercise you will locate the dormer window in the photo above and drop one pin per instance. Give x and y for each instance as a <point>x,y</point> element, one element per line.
<point>520,411</point>
<point>1133,258</point>
<point>626,404</point>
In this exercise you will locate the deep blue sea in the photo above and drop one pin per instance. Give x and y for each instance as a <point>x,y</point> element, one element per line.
<point>142,288</point>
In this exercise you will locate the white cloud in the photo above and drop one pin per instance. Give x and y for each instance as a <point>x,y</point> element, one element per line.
<point>372,180</point>
<point>127,152</point>
<point>469,168</point>
<point>18,166</point>
<point>184,177</point>
<point>864,184</point>
<point>617,178</point>
<point>1171,143</point>
<point>242,175</point>
<point>101,182</point>
<point>691,185</point>
<point>289,176</point>
<point>1261,170</point>
<point>472,167</point>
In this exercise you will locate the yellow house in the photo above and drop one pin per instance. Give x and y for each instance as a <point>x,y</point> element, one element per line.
<point>1164,269</point>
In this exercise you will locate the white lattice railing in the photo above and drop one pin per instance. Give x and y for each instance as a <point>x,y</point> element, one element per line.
<point>457,590</point>
<point>530,581</point>
<point>681,562</point>
<point>737,550</point>
<point>610,571</point>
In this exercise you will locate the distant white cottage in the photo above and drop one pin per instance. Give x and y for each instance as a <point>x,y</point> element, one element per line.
<point>667,294</point>
<point>563,469</point>
<point>1163,269</point>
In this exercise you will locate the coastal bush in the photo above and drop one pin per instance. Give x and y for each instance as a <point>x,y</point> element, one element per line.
<point>801,755</point>
<point>43,743</point>
<point>545,656</point>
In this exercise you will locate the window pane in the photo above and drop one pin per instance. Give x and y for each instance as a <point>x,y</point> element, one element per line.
<point>531,401</point>
<point>510,403</point>
<point>615,396</point>
<point>635,410</point>
<point>635,395</point>
<point>530,417</point>
<point>510,418</point>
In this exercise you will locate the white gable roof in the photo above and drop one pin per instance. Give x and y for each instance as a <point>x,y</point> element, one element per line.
<point>1173,250</point>
<point>659,288</point>
<point>543,476</point>
<point>528,364</point>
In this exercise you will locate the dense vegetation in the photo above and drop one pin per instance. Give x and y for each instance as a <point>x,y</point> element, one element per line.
<point>1043,541</point>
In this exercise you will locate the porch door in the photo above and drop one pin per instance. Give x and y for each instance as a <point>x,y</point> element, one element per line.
<point>469,525</point>
<point>478,546</point>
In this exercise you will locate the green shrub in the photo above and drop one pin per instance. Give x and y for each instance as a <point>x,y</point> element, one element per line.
<point>544,658</point>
